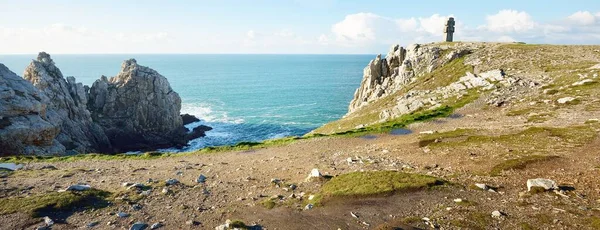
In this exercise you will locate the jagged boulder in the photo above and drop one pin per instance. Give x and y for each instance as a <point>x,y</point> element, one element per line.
<point>400,67</point>
<point>138,109</point>
<point>67,107</point>
<point>24,125</point>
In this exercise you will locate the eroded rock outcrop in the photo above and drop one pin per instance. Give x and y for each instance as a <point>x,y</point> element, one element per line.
<point>24,125</point>
<point>138,109</point>
<point>67,107</point>
<point>384,76</point>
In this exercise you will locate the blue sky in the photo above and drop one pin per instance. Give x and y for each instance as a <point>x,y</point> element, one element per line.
<point>283,26</point>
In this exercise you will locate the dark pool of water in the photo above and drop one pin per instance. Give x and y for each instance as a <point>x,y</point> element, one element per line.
<point>400,132</point>
<point>369,137</point>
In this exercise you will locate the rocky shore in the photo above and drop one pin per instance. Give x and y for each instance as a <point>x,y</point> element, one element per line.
<point>45,113</point>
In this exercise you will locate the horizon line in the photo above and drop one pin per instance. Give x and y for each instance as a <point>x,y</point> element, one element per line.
<point>11,54</point>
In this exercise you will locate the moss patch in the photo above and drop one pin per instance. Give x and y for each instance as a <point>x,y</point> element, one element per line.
<point>50,203</point>
<point>377,182</point>
<point>518,163</point>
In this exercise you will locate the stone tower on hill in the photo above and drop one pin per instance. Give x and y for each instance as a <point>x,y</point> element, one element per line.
<point>449,30</point>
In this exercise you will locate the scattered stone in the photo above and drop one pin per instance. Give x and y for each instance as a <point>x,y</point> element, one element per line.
<point>138,226</point>
<point>192,222</point>
<point>308,207</point>
<point>482,186</point>
<point>122,214</point>
<point>48,221</point>
<point>156,225</point>
<point>311,197</point>
<point>583,82</point>
<point>275,181</point>
<point>136,186</point>
<point>458,200</point>
<point>546,184</point>
<point>49,167</point>
<point>565,100</point>
<point>171,182</point>
<point>314,175</point>
<point>201,179</point>
<point>224,226</point>
<point>427,132</point>
<point>293,187</point>
<point>146,193</point>
<point>166,191</point>
<point>136,207</point>
<point>77,187</point>
<point>354,215</point>
<point>497,214</point>
<point>92,224</point>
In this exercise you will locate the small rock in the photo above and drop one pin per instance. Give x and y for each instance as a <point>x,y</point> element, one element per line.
<point>138,226</point>
<point>540,182</point>
<point>166,191</point>
<point>77,187</point>
<point>156,225</point>
<point>122,214</point>
<point>192,222</point>
<point>293,187</point>
<point>201,179</point>
<point>171,182</point>
<point>92,224</point>
<point>136,207</point>
<point>427,132</point>
<point>314,174</point>
<point>48,221</point>
<point>497,214</point>
<point>482,186</point>
<point>308,207</point>
<point>565,100</point>
<point>458,200</point>
<point>311,197</point>
<point>136,186</point>
<point>354,215</point>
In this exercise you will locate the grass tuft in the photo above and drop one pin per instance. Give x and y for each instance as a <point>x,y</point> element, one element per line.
<point>377,182</point>
<point>519,163</point>
<point>41,205</point>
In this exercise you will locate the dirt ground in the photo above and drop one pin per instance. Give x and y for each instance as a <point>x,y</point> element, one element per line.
<point>237,182</point>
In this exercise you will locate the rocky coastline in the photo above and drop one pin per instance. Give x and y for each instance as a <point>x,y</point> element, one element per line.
<point>45,113</point>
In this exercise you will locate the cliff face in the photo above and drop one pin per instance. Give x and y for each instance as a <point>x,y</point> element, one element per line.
<point>67,107</point>
<point>24,124</point>
<point>400,67</point>
<point>135,110</point>
<point>138,109</point>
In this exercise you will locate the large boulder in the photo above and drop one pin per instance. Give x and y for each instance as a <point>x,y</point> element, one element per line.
<point>138,109</point>
<point>24,125</point>
<point>67,107</point>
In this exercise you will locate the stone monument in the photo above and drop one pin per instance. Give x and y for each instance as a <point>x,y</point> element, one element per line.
<point>449,29</point>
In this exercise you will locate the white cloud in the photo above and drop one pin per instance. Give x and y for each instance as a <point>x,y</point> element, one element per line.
<point>506,39</point>
<point>359,27</point>
<point>250,34</point>
<point>323,39</point>
<point>509,21</point>
<point>583,18</point>
<point>434,24</point>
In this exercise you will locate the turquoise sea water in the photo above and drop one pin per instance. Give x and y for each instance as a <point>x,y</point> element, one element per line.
<point>243,97</point>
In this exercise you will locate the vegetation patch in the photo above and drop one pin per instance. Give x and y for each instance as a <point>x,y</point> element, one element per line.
<point>519,112</point>
<point>519,163</point>
<point>269,203</point>
<point>474,220</point>
<point>427,139</point>
<point>377,182</point>
<point>51,203</point>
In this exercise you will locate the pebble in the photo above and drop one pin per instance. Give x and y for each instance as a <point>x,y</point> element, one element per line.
<point>92,224</point>
<point>201,179</point>
<point>122,214</point>
<point>171,181</point>
<point>138,226</point>
<point>458,200</point>
<point>482,186</point>
<point>308,207</point>
<point>565,100</point>
<point>156,225</point>
<point>48,221</point>
<point>497,214</point>
<point>192,222</point>
<point>77,187</point>
<point>547,184</point>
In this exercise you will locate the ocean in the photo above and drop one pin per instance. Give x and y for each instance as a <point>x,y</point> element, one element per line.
<point>244,97</point>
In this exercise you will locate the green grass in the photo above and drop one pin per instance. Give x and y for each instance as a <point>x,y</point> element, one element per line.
<point>594,222</point>
<point>474,220</point>
<point>237,224</point>
<point>518,163</point>
<point>519,112</point>
<point>427,139</point>
<point>40,205</point>
<point>376,182</point>
<point>268,203</point>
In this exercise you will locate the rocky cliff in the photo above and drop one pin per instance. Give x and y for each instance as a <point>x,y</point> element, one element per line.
<point>24,125</point>
<point>138,109</point>
<point>435,77</point>
<point>67,107</point>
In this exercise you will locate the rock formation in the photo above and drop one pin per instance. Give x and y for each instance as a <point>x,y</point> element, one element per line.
<point>24,125</point>
<point>400,67</point>
<point>67,107</point>
<point>137,109</point>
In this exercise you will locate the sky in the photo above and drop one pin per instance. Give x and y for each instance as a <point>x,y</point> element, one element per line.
<point>283,26</point>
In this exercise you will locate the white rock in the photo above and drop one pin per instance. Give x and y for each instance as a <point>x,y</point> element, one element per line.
<point>427,132</point>
<point>482,186</point>
<point>582,82</point>
<point>565,100</point>
<point>156,225</point>
<point>541,182</point>
<point>311,197</point>
<point>77,187</point>
<point>458,200</point>
<point>497,214</point>
<point>48,221</point>
<point>308,207</point>
<point>122,214</point>
<point>315,173</point>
